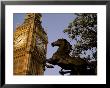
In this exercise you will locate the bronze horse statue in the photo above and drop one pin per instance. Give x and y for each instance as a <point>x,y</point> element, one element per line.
<point>61,57</point>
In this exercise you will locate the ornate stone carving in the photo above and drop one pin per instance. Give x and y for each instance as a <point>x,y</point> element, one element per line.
<point>29,59</point>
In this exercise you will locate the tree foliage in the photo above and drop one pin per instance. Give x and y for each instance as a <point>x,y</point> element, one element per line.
<point>84,31</point>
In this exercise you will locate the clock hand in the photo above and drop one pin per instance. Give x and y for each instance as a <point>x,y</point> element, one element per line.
<point>16,38</point>
<point>16,42</point>
<point>19,40</point>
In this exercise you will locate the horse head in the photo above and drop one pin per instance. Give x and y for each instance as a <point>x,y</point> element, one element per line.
<point>63,44</point>
<point>59,42</point>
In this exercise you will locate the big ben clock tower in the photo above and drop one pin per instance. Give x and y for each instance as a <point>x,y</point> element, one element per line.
<point>30,46</point>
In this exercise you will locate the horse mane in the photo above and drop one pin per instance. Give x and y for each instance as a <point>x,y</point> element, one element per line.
<point>68,46</point>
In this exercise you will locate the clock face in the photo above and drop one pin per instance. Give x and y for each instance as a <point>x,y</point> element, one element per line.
<point>20,40</point>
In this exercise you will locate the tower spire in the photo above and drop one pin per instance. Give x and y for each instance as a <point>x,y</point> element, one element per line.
<point>32,16</point>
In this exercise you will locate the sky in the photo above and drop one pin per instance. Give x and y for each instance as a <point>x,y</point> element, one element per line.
<point>53,24</point>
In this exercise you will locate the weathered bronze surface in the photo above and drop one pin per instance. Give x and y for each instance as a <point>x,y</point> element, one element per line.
<point>61,57</point>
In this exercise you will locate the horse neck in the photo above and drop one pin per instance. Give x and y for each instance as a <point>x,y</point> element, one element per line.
<point>62,51</point>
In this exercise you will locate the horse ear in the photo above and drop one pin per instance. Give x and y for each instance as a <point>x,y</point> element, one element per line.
<point>65,40</point>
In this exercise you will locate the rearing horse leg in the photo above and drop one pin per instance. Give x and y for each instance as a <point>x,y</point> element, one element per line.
<point>61,69</point>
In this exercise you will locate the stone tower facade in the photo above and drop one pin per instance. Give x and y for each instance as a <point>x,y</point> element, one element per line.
<point>30,46</point>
